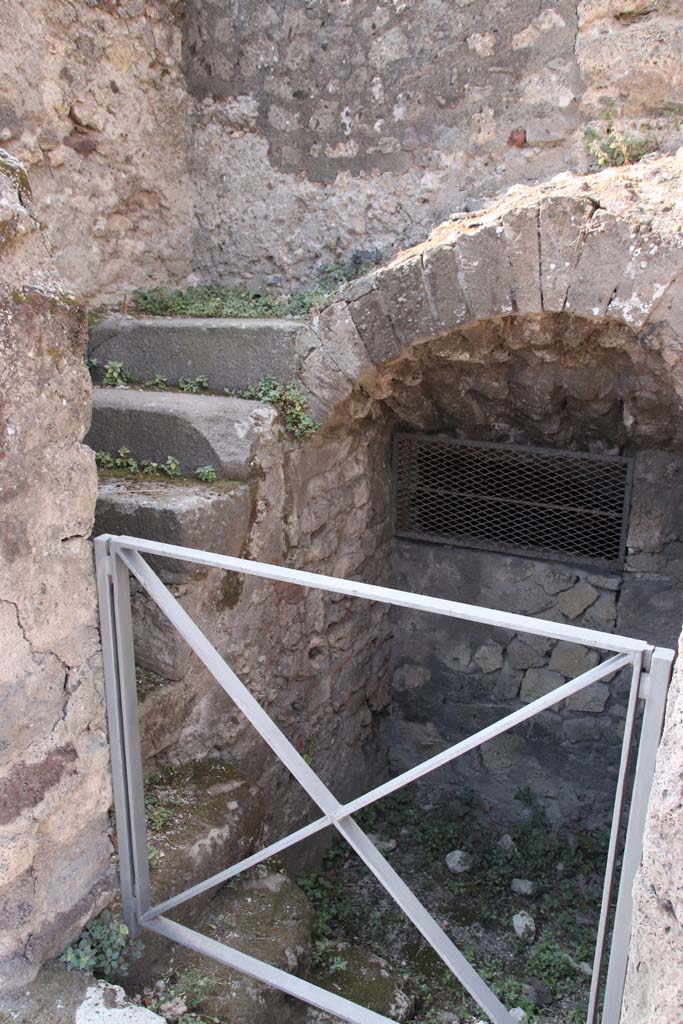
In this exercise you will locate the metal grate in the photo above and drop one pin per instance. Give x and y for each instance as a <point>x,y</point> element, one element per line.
<point>556,505</point>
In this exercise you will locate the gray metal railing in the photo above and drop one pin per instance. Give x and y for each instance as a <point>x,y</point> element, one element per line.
<point>119,557</point>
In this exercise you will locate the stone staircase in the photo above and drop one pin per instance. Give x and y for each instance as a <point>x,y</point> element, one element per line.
<point>211,816</point>
<point>232,353</point>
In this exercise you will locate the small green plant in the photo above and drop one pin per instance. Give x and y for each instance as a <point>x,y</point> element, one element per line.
<point>325,955</point>
<point>125,461</point>
<point>207,474</point>
<point>551,965</point>
<point>613,147</point>
<point>157,383</point>
<point>149,468</point>
<point>185,994</point>
<point>114,375</point>
<point>290,402</point>
<point>171,467</point>
<point>91,363</point>
<point>103,948</point>
<point>193,385</point>
<point>103,460</point>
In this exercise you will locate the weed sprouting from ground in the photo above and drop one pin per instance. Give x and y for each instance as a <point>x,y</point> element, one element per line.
<point>104,948</point>
<point>475,908</point>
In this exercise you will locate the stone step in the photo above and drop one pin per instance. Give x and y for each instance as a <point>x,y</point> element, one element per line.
<point>198,430</point>
<point>231,353</point>
<point>210,517</point>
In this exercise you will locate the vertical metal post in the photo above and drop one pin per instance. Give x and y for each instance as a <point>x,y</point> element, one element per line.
<point>657,684</point>
<point>610,867</point>
<point>114,719</point>
<point>131,738</point>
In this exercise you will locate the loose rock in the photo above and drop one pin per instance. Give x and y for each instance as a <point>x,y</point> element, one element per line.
<point>522,887</point>
<point>458,861</point>
<point>524,926</point>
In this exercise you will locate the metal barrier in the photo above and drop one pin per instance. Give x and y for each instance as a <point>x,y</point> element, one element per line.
<point>118,557</point>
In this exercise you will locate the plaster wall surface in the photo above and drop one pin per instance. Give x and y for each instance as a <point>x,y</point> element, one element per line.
<point>257,142</point>
<point>93,101</point>
<point>55,865</point>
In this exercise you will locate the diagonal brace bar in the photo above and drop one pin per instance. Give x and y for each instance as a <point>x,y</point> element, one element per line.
<point>450,754</point>
<point>315,788</point>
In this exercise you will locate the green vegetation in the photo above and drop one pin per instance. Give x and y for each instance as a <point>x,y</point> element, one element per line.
<point>103,948</point>
<point>612,146</point>
<point>193,385</point>
<point>478,906</point>
<point>290,402</point>
<point>114,375</point>
<point>181,996</point>
<point>218,300</point>
<point>207,474</point>
<point>157,383</point>
<point>124,463</point>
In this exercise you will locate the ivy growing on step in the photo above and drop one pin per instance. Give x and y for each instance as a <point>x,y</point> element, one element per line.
<point>125,463</point>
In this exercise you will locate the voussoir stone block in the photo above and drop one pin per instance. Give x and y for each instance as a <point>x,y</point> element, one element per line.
<point>233,353</point>
<point>441,274</point>
<point>375,327</point>
<point>604,254</point>
<point>404,298</point>
<point>485,271</point>
<point>562,221</point>
<point>199,430</point>
<point>521,227</point>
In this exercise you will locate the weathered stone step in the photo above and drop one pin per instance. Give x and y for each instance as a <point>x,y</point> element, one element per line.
<point>199,430</point>
<point>231,353</point>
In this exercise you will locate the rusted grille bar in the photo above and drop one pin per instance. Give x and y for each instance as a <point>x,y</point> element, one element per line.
<point>556,505</point>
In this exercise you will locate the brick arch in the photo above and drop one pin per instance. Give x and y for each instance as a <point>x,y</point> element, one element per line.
<point>547,250</point>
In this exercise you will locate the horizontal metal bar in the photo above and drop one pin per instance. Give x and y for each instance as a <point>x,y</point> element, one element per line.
<point>273,976</point>
<point>344,810</point>
<point>243,865</point>
<point>385,595</point>
<point>490,732</point>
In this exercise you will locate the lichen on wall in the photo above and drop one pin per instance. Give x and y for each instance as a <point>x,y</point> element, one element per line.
<point>55,866</point>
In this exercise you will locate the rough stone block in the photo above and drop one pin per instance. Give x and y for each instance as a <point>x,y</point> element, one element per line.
<point>522,235</point>
<point>522,656</point>
<point>489,657</point>
<point>404,299</point>
<point>441,272</point>
<point>199,430</point>
<point>572,659</point>
<point>592,698</point>
<point>574,602</point>
<point>562,221</point>
<point>232,353</point>
<point>375,327</point>
<point>650,270</point>
<point>485,272</point>
<point>539,681</point>
<point>604,253</point>
<point>187,515</point>
<point>58,996</point>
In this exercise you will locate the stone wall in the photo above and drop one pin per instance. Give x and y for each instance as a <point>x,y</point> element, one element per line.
<point>54,762</point>
<point>654,983</point>
<point>452,678</point>
<point>93,101</point>
<point>318,663</point>
<point>257,142</point>
<point>324,128</point>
